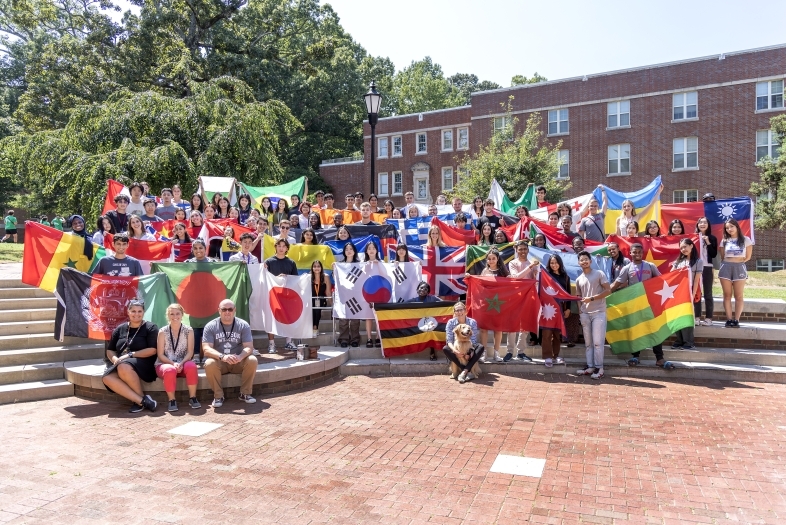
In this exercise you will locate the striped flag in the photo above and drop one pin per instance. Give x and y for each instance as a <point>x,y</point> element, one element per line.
<point>443,268</point>
<point>476,256</point>
<point>407,328</point>
<point>415,231</point>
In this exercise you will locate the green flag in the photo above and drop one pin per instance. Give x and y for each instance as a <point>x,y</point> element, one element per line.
<point>503,203</point>
<point>285,191</point>
<point>200,287</point>
<point>476,256</point>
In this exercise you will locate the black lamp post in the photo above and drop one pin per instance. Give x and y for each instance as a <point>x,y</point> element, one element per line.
<point>373,101</point>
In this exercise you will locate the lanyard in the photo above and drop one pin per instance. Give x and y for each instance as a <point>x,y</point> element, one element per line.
<point>231,330</point>
<point>175,342</point>
<point>639,271</point>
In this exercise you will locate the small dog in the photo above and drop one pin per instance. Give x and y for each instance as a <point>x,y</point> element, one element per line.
<point>461,347</point>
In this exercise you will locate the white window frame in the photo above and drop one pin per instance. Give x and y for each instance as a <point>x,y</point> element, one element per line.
<point>380,142</point>
<point>619,110</point>
<point>772,97</point>
<point>400,183</point>
<point>418,151</point>
<point>380,178</point>
<point>618,159</point>
<point>680,100</point>
<point>684,196</point>
<point>555,117</point>
<point>500,123</point>
<point>393,140</point>
<point>447,133</point>
<point>769,265</point>
<point>445,171</point>
<point>686,152</point>
<point>563,156</point>
<point>772,144</point>
<point>465,132</point>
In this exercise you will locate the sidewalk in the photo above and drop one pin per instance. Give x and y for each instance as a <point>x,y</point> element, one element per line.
<point>11,270</point>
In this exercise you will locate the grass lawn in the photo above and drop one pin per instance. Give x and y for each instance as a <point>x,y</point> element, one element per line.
<point>11,252</point>
<point>760,285</point>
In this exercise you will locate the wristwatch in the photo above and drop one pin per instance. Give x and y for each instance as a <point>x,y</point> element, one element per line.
<point>130,354</point>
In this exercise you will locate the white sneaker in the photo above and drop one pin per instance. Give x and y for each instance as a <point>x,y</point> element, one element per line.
<point>470,376</point>
<point>497,357</point>
<point>549,362</point>
<point>247,398</point>
<point>462,377</point>
<point>598,374</point>
<point>585,371</point>
<point>290,346</point>
<point>697,322</point>
<point>707,322</point>
<point>217,402</point>
<point>256,352</point>
<point>271,348</point>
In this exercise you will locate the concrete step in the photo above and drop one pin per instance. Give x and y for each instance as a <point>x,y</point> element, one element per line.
<point>27,328</point>
<point>35,391</point>
<point>12,283</point>
<point>52,354</point>
<point>23,293</point>
<point>34,372</point>
<point>33,314</point>
<point>28,303</point>
<point>18,342</point>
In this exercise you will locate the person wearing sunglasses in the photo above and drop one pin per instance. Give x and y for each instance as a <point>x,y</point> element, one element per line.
<point>284,227</point>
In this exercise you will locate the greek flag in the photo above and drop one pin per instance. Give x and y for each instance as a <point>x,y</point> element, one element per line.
<point>414,232</point>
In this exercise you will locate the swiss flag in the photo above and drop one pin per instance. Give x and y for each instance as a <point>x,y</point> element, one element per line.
<point>113,189</point>
<point>452,236</point>
<point>551,316</point>
<point>670,289</point>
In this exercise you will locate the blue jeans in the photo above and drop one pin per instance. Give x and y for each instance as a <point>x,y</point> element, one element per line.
<point>594,326</point>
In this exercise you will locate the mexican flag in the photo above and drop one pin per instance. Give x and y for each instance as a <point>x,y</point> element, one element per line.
<point>93,306</point>
<point>200,287</point>
<point>503,304</point>
<point>284,191</point>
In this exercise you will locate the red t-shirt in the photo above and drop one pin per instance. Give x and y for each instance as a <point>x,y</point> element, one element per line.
<point>543,204</point>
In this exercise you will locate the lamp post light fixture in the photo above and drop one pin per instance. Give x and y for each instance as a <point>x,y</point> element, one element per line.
<point>373,101</point>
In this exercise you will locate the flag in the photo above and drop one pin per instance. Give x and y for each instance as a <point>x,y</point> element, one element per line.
<point>214,229</point>
<point>209,186</point>
<point>113,189</point>
<point>571,262</point>
<point>578,208</point>
<point>660,251</point>
<point>386,233</point>
<point>549,291</point>
<point>518,230</point>
<point>47,250</point>
<point>93,306</point>
<point>337,247</point>
<point>717,212</point>
<point>407,328</point>
<point>503,304</point>
<point>452,235</point>
<point>505,205</point>
<point>645,314</point>
<point>284,191</point>
<point>357,285</point>
<point>415,231</point>
<point>165,230</point>
<point>285,304</point>
<point>443,268</point>
<point>476,256</point>
<point>642,198</point>
<point>147,252</point>
<point>304,255</point>
<point>200,287</point>
<point>557,240</point>
<point>181,252</point>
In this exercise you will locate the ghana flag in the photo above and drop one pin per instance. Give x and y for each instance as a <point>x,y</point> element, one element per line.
<point>476,256</point>
<point>646,313</point>
<point>407,328</point>
<point>200,287</point>
<point>93,306</point>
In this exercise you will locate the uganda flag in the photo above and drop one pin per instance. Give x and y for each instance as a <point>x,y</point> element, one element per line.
<point>646,313</point>
<point>407,328</point>
<point>93,306</point>
<point>476,256</point>
<point>48,250</point>
<point>200,286</point>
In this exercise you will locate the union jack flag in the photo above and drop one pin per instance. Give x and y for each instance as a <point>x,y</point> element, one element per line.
<point>443,268</point>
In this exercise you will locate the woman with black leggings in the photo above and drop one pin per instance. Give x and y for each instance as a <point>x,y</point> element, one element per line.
<point>709,251</point>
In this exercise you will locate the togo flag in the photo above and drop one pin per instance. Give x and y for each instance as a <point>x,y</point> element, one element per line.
<point>646,313</point>
<point>358,284</point>
<point>200,287</point>
<point>407,328</point>
<point>285,304</point>
<point>93,306</point>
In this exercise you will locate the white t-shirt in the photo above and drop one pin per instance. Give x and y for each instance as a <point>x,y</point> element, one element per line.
<point>735,248</point>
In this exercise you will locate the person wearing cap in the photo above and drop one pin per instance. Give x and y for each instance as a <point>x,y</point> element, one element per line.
<point>708,197</point>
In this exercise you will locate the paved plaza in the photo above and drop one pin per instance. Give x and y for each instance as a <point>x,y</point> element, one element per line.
<point>407,450</point>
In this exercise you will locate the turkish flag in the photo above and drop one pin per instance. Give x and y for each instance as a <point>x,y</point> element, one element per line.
<point>452,236</point>
<point>503,304</point>
<point>214,229</point>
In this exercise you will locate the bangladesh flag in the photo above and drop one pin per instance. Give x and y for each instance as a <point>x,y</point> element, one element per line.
<point>476,256</point>
<point>407,328</point>
<point>93,306</point>
<point>503,304</point>
<point>645,314</point>
<point>200,287</point>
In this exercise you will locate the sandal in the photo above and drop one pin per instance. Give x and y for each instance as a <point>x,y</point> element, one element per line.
<point>378,343</point>
<point>666,365</point>
<point>633,361</point>
<point>433,355</point>
<point>370,343</point>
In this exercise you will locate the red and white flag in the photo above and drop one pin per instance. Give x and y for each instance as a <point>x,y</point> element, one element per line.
<point>113,189</point>
<point>551,316</point>
<point>147,252</point>
<point>284,303</point>
<point>578,209</point>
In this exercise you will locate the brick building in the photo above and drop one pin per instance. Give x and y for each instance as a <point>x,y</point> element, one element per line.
<point>700,123</point>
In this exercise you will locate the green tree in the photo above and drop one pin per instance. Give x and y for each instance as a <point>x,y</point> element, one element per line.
<point>520,80</point>
<point>515,159</point>
<point>771,206</point>
<point>467,83</point>
<point>422,86</point>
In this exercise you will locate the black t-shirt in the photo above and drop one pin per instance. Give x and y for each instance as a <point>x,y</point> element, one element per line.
<point>278,266</point>
<point>146,337</point>
<point>120,220</point>
<point>494,220</point>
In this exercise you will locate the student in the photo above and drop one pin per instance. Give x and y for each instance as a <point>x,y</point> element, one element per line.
<point>676,227</point>
<point>402,253</point>
<point>477,208</point>
<point>495,267</point>
<point>593,287</point>
<point>10,227</point>
<point>167,209</point>
<point>539,241</point>
<point>180,214</point>
<point>632,229</point>
<point>175,349</point>
<point>554,219</point>
<point>118,216</point>
<point>330,200</point>
<point>279,264</point>
<point>591,227</point>
<point>196,220</point>
<point>709,244</point>
<point>197,204</point>
<point>488,215</point>
<point>199,250</point>
<point>180,234</point>
<point>244,208</point>
<point>57,223</point>
<point>735,251</point>
<point>177,198</point>
<point>294,202</point>
<point>388,209</point>
<point>229,246</point>
<point>222,210</point>
<point>566,221</point>
<point>267,209</point>
<point>540,195</point>
<point>629,212</point>
<point>349,201</point>
<point>550,339</point>
<point>486,235</point>
<point>365,215</point>
<point>308,237</point>
<point>245,255</point>
<point>150,212</point>
<point>119,264</point>
<point>520,268</point>
<point>315,221</point>
<point>618,261</point>
<point>136,230</point>
<point>522,211</point>
<point>652,229</point>
<point>413,212</point>
<point>371,255</point>
<point>374,201</point>
<point>104,226</point>
<point>348,329</point>
<point>319,195</point>
<point>282,212</point>
<point>136,206</point>
<point>284,227</point>
<point>460,317</point>
<point>500,237</point>
<point>458,206</point>
<point>321,293</point>
<point>78,229</point>
<point>688,260</point>
<point>434,238</point>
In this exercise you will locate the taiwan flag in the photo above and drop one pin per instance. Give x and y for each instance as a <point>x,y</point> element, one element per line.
<point>503,304</point>
<point>285,304</point>
<point>717,212</point>
<point>549,291</point>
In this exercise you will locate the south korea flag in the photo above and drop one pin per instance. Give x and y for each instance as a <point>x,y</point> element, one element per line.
<point>360,284</point>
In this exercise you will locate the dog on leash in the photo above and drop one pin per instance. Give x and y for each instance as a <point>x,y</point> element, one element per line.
<point>461,347</point>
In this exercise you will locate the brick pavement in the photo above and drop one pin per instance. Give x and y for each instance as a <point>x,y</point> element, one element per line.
<point>409,450</point>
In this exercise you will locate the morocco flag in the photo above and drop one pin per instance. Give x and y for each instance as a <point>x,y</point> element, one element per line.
<point>646,313</point>
<point>285,304</point>
<point>93,306</point>
<point>502,304</point>
<point>408,328</point>
<point>48,250</point>
<point>200,287</point>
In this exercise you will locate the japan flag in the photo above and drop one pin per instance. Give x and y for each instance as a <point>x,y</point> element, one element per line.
<point>284,303</point>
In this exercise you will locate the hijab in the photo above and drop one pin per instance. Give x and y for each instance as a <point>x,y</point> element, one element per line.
<point>88,249</point>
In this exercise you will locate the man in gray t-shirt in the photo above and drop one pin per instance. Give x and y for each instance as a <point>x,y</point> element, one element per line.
<point>229,347</point>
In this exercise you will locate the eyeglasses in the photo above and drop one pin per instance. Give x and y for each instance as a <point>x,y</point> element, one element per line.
<point>227,309</point>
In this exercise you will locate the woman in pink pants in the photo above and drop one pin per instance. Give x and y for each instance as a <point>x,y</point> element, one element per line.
<point>175,350</point>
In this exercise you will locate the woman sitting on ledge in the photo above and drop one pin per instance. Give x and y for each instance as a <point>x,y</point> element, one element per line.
<point>175,350</point>
<point>131,353</point>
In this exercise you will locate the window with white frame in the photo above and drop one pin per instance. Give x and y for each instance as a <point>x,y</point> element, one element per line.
<point>421,143</point>
<point>563,156</point>
<point>398,183</point>
<point>384,189</point>
<point>383,148</point>
<point>686,153</point>
<point>618,114</point>
<point>397,151</point>
<point>769,95</point>
<point>447,140</point>
<point>500,123</point>
<point>680,196</point>
<point>685,105</point>
<point>619,159</point>
<point>769,265</point>
<point>558,121</point>
<point>463,138</point>
<point>767,144</point>
<point>447,179</point>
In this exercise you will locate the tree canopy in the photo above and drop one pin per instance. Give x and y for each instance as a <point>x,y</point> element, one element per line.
<point>771,189</point>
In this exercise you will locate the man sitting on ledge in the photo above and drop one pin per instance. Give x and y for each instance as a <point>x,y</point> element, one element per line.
<point>228,346</point>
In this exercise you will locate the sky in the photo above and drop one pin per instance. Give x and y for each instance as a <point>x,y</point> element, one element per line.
<point>496,39</point>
